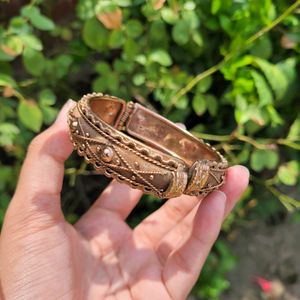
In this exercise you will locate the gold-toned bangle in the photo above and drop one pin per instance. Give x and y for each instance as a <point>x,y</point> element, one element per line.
<point>135,145</point>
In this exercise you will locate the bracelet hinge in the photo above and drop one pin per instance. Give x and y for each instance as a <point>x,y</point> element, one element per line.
<point>127,112</point>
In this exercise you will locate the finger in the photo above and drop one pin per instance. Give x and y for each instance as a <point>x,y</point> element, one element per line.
<point>104,222</point>
<point>183,266</point>
<point>152,229</point>
<point>236,182</point>
<point>181,125</point>
<point>114,204</point>
<point>159,224</point>
<point>117,198</point>
<point>176,237</point>
<point>41,176</point>
<point>237,179</point>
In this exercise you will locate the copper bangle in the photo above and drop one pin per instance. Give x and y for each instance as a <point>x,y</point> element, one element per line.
<point>135,145</point>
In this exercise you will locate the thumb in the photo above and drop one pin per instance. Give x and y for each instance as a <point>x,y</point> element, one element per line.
<point>41,176</point>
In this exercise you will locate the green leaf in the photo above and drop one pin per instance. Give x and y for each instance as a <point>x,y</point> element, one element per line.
<point>49,114</point>
<point>288,68</point>
<point>182,102</point>
<point>262,48</point>
<point>169,15</point>
<point>36,18</point>
<point>215,6</point>
<point>113,82</point>
<point>30,115</point>
<point>274,116</point>
<point>116,39</point>
<point>6,176</point>
<point>197,38</point>
<point>158,36</point>
<point>41,22</point>
<point>189,5</point>
<point>5,57</point>
<point>122,66</point>
<point>31,41</point>
<point>29,10</point>
<point>8,133</point>
<point>86,9</point>
<point>6,80</point>
<point>199,104</point>
<point>180,32</point>
<point>288,173</point>
<point>105,7</point>
<point>226,24</point>
<point>245,112</point>
<point>191,18</point>
<point>263,90</point>
<point>133,28</point>
<point>19,25</point>
<point>103,68</point>
<point>62,64</point>
<point>12,45</point>
<point>261,159</point>
<point>123,3</point>
<point>130,50</point>
<point>100,84</point>
<point>141,59</point>
<point>138,79</point>
<point>211,104</point>
<point>47,97</point>
<point>160,56</point>
<point>34,62</point>
<point>274,75</point>
<point>231,67</point>
<point>95,35</point>
<point>243,155</point>
<point>204,84</point>
<point>294,132</point>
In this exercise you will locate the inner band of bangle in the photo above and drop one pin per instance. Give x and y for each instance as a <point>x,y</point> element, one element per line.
<point>153,129</point>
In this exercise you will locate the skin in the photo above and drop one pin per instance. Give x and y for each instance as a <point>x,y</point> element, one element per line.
<point>100,257</point>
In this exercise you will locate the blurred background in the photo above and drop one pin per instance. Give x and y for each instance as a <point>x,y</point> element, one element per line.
<point>227,69</point>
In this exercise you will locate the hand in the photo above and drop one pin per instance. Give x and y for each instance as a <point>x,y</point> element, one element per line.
<point>100,257</point>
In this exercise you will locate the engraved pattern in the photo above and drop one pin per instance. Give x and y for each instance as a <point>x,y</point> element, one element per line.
<point>200,175</point>
<point>178,184</point>
<point>119,156</point>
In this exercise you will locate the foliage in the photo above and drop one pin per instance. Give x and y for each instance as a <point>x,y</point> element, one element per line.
<point>220,67</point>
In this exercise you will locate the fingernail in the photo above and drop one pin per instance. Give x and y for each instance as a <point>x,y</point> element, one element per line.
<point>180,125</point>
<point>62,115</point>
<point>219,195</point>
<point>244,170</point>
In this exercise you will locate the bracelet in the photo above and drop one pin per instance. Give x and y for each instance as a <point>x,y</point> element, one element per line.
<point>135,145</point>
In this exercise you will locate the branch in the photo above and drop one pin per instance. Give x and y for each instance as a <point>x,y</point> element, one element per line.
<point>231,54</point>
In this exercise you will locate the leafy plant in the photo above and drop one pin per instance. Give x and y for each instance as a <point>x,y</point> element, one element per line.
<point>227,69</point>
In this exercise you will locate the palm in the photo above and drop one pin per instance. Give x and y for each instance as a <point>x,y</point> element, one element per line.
<point>114,264</point>
<point>100,257</point>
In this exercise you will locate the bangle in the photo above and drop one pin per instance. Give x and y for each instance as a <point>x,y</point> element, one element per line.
<point>135,145</point>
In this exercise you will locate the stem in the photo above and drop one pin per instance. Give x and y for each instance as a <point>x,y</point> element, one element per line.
<point>254,143</point>
<point>212,137</point>
<point>289,202</point>
<point>19,95</point>
<point>278,20</point>
<point>218,66</point>
<point>194,81</point>
<point>288,143</point>
<point>263,144</point>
